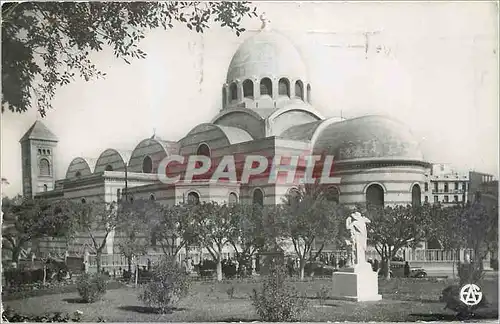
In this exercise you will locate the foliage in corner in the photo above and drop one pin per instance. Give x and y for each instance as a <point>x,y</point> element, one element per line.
<point>9,315</point>
<point>169,283</point>
<point>278,301</point>
<point>45,44</point>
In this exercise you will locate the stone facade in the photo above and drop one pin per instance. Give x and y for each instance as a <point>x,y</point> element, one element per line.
<point>267,110</point>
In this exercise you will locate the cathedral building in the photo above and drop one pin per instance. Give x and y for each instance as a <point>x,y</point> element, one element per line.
<point>267,109</point>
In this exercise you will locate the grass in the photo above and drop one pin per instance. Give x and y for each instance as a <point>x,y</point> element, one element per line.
<point>403,300</point>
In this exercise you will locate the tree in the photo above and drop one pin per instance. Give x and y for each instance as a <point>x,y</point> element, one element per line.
<point>26,219</point>
<point>173,229</point>
<point>307,215</point>
<point>214,229</point>
<point>44,44</point>
<point>97,220</point>
<point>249,234</point>
<point>134,219</point>
<point>393,228</point>
<point>473,227</point>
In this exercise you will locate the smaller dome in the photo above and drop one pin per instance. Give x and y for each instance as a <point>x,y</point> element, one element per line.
<point>368,137</point>
<point>266,54</point>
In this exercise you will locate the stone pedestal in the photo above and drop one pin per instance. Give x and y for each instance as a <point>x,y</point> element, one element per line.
<point>358,284</point>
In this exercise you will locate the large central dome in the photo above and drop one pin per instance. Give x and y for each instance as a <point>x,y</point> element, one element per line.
<point>266,54</point>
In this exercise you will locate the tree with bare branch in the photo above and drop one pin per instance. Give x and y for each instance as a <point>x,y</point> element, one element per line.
<point>393,228</point>
<point>307,215</point>
<point>173,229</point>
<point>214,228</point>
<point>97,220</point>
<point>133,228</point>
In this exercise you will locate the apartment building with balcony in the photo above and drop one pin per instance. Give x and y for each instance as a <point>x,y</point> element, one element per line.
<point>448,186</point>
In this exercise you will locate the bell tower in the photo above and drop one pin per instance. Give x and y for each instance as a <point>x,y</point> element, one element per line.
<point>38,151</point>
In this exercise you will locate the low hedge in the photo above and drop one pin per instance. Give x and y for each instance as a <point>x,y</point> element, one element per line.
<point>51,289</point>
<point>10,315</point>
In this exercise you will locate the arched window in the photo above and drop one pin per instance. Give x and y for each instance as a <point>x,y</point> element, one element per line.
<point>224,98</point>
<point>258,197</point>
<point>109,167</point>
<point>375,196</point>
<point>416,196</point>
<point>78,174</point>
<point>299,89</point>
<point>193,198</point>
<point>248,89</point>
<point>266,87</point>
<point>84,201</point>
<point>284,87</point>
<point>233,90</point>
<point>204,150</point>
<point>152,197</point>
<point>45,187</point>
<point>309,93</point>
<point>233,199</point>
<point>44,166</point>
<point>332,194</point>
<point>147,165</point>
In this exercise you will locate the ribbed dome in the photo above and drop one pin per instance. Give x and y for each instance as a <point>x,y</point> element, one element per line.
<point>369,137</point>
<point>266,54</point>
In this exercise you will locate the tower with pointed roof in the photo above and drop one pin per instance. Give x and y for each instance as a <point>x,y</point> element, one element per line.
<point>38,151</point>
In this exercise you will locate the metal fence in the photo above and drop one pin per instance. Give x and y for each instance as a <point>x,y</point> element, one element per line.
<point>120,261</point>
<point>110,261</point>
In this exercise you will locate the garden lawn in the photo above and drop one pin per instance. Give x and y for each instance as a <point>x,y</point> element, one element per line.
<point>403,300</point>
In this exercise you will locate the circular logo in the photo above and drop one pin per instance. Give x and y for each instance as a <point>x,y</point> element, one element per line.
<point>471,295</point>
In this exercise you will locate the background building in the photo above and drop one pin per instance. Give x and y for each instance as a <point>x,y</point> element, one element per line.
<point>447,186</point>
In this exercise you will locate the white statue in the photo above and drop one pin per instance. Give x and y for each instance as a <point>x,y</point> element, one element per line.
<point>356,224</point>
<point>265,22</point>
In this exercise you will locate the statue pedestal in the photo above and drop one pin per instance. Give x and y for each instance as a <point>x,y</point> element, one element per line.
<point>358,284</point>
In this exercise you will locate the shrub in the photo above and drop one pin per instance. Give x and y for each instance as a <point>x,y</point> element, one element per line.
<point>17,277</point>
<point>230,292</point>
<point>451,296</point>
<point>168,284</point>
<point>91,287</point>
<point>322,294</point>
<point>278,301</point>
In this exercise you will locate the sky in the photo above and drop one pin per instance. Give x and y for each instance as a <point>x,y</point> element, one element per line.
<point>433,66</point>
